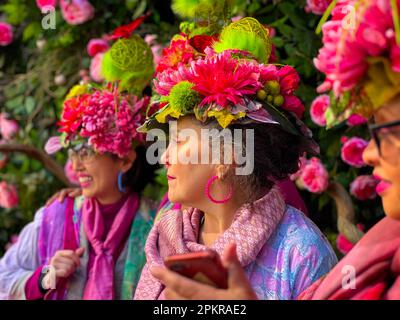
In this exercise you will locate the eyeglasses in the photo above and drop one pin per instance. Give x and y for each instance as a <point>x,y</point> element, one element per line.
<point>83,153</point>
<point>386,138</point>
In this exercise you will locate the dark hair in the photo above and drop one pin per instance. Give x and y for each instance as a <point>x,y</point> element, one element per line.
<point>276,156</point>
<point>141,173</point>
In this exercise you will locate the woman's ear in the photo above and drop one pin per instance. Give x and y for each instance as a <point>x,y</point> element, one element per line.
<point>128,160</point>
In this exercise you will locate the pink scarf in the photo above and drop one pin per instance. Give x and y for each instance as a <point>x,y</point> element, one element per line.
<point>100,282</point>
<point>178,231</point>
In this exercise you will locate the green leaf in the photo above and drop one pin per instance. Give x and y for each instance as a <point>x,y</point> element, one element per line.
<point>31,31</point>
<point>30,104</point>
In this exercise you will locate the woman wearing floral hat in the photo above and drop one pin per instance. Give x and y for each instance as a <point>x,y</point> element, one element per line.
<point>280,249</point>
<point>367,72</point>
<point>91,247</point>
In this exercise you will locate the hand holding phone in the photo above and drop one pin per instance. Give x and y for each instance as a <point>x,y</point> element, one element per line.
<point>204,266</point>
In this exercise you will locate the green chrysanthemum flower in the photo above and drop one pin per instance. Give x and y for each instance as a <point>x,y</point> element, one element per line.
<point>182,97</point>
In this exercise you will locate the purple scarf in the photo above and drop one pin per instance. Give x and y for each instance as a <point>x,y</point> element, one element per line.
<point>100,282</point>
<point>177,232</point>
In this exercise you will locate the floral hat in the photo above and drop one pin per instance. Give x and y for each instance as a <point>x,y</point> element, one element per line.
<point>360,57</point>
<point>107,118</point>
<point>227,78</point>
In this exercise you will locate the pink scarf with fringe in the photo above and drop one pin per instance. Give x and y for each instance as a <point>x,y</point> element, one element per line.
<point>177,232</point>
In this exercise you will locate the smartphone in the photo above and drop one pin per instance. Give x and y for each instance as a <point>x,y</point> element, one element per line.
<point>204,267</point>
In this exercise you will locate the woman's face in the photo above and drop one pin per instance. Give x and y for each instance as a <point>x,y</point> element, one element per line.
<point>187,181</point>
<point>387,163</point>
<point>98,174</point>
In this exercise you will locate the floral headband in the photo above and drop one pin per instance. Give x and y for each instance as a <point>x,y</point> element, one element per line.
<point>104,119</point>
<point>220,78</point>
<point>107,118</point>
<point>360,58</point>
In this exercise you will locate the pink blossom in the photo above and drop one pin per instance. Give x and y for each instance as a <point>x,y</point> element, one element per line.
<point>96,46</point>
<point>53,145</point>
<point>8,195</point>
<point>344,245</point>
<point>70,173</point>
<point>318,109</point>
<point>356,120</point>
<point>289,80</point>
<point>8,128</point>
<point>168,78</point>
<point>363,187</point>
<point>313,176</point>
<point>95,67</point>
<point>76,11</point>
<point>6,34</point>
<point>317,7</point>
<point>46,3</point>
<point>395,58</point>
<point>293,104</point>
<point>352,150</point>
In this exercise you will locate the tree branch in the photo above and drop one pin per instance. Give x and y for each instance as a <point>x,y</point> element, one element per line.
<point>345,210</point>
<point>48,162</point>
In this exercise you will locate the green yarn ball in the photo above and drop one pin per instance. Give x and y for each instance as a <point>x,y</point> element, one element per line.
<point>182,97</point>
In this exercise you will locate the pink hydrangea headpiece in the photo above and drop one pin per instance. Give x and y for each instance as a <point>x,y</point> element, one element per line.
<point>360,57</point>
<point>106,119</point>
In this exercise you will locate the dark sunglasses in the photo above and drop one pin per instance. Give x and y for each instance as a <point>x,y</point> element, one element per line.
<point>375,128</point>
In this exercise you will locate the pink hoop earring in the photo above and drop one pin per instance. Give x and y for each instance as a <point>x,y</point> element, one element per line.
<point>209,196</point>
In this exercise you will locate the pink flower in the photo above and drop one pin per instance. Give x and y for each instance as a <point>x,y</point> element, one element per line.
<point>289,80</point>
<point>8,195</point>
<point>70,173</point>
<point>46,3</point>
<point>293,104</point>
<point>96,46</point>
<point>168,78</point>
<point>318,109</point>
<point>395,58</point>
<point>313,176</point>
<point>356,120</point>
<point>53,145</point>
<point>95,67</point>
<point>352,150</point>
<point>6,34</point>
<point>76,11</point>
<point>317,7</point>
<point>8,128</point>
<point>363,187</point>
<point>224,81</point>
<point>344,245</point>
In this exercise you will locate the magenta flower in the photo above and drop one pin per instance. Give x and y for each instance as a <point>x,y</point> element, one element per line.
<point>8,195</point>
<point>53,145</point>
<point>318,109</point>
<point>313,176</point>
<point>46,3</point>
<point>352,151</point>
<point>363,187</point>
<point>168,78</point>
<point>96,46</point>
<point>76,11</point>
<point>6,34</point>
<point>356,120</point>
<point>317,7</point>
